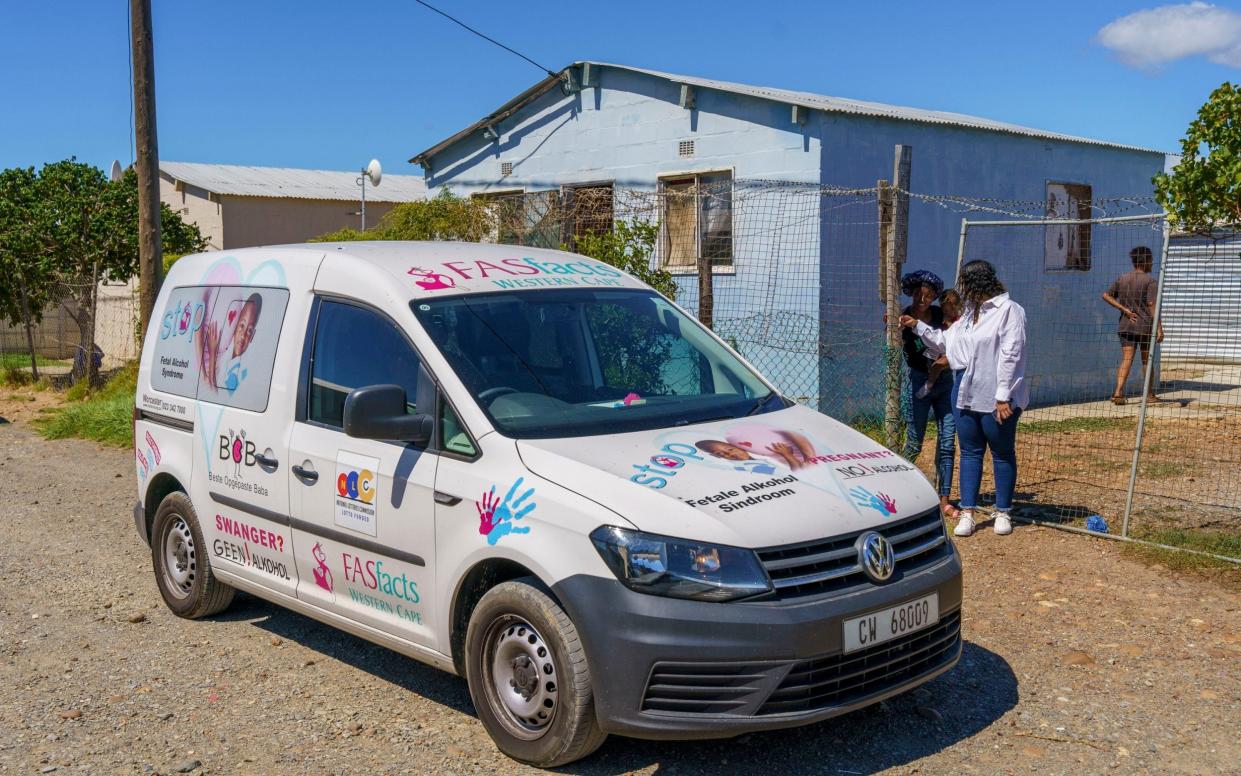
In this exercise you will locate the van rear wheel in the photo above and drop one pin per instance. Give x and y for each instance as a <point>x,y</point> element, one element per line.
<point>528,676</point>
<point>179,555</point>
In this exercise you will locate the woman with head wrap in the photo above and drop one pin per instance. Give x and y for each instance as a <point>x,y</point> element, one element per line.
<point>987,352</point>
<point>925,397</point>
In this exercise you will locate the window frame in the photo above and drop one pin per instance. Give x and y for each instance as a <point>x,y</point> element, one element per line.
<point>567,191</point>
<point>665,247</point>
<point>1085,232</point>
<point>275,355</point>
<point>306,374</point>
<point>522,227</point>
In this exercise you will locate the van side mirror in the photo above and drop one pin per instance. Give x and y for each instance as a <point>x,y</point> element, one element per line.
<point>379,412</point>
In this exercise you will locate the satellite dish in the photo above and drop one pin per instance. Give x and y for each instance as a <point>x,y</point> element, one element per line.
<point>117,173</point>
<point>374,172</point>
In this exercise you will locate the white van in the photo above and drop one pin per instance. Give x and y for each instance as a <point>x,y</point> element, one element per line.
<point>528,468</point>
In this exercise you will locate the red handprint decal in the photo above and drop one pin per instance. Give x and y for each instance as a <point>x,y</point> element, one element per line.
<point>880,502</point>
<point>431,281</point>
<point>888,502</point>
<point>495,517</point>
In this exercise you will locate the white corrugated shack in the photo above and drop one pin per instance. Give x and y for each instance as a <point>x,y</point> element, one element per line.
<point>239,207</point>
<point>1202,299</point>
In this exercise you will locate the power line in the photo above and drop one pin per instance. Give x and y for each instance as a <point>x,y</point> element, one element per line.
<point>550,72</point>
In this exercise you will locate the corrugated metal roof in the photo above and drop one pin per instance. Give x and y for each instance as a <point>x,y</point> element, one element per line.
<point>292,182</point>
<point>804,99</point>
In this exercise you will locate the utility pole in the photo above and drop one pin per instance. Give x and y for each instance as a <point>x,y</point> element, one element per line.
<point>151,266</point>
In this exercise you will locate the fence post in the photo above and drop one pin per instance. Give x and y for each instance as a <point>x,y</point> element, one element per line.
<point>895,247</point>
<point>1146,379</point>
<point>706,292</point>
<point>965,225</point>
<point>884,190</point>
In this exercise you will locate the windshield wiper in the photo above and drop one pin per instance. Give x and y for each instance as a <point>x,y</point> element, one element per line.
<point>758,405</point>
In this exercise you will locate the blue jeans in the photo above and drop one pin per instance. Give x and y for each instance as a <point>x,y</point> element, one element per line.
<point>938,401</point>
<point>978,431</point>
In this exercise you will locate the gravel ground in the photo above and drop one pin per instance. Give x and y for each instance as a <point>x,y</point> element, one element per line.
<point>1077,660</point>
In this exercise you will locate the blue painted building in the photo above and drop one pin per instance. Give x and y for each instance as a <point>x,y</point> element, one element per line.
<point>795,262</point>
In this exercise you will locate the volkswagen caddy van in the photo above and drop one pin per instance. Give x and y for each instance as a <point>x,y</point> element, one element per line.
<point>527,468</point>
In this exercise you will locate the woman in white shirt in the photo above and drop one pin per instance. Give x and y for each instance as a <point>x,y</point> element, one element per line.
<point>986,350</point>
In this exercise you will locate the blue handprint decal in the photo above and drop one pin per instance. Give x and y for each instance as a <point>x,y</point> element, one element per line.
<point>881,502</point>
<point>495,517</point>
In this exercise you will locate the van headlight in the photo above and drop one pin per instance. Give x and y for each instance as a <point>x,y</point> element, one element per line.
<point>678,568</point>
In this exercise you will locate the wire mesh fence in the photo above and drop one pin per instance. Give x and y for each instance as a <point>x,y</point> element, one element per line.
<point>1190,441</point>
<point>54,348</point>
<point>1135,412</point>
<point>796,284</point>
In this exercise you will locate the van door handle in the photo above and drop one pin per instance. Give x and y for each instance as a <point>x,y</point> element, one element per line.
<point>447,499</point>
<point>308,476</point>
<point>266,462</point>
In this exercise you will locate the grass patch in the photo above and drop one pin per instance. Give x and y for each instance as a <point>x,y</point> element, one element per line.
<point>104,415</point>
<point>10,360</point>
<point>1227,543</point>
<point>873,427</point>
<point>1162,470</point>
<point>1076,424</point>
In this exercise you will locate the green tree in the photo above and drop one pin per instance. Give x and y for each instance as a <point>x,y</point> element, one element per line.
<point>88,230</point>
<point>29,273</point>
<point>445,217</point>
<point>629,247</point>
<point>1203,191</point>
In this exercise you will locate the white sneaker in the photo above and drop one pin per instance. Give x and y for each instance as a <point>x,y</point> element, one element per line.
<point>965,525</point>
<point>1003,524</point>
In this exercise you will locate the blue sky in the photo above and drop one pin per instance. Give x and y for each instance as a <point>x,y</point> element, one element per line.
<point>331,84</point>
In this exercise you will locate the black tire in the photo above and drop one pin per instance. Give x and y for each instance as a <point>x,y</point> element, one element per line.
<point>189,588</point>
<point>570,731</point>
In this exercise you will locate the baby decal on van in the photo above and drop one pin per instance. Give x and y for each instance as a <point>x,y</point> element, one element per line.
<point>795,461</point>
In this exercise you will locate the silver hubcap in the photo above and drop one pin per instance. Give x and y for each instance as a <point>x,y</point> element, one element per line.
<point>180,560</point>
<point>522,677</point>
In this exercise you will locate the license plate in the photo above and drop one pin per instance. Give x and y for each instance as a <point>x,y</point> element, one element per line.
<point>893,622</point>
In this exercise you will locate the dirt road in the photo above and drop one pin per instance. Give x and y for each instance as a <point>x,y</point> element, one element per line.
<point>1077,661</point>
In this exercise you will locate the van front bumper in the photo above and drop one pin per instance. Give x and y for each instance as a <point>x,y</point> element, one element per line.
<point>665,668</point>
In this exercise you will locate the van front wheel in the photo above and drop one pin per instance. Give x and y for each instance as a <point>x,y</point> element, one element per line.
<point>528,676</point>
<point>179,556</point>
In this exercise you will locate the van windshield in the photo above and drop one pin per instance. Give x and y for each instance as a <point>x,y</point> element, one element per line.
<point>568,362</point>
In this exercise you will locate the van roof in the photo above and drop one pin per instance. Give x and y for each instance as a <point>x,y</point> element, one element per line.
<point>430,269</point>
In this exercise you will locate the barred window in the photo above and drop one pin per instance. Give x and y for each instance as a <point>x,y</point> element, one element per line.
<point>698,221</point>
<point>1067,246</point>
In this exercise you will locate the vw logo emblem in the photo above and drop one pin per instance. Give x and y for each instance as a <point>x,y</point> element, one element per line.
<point>875,556</point>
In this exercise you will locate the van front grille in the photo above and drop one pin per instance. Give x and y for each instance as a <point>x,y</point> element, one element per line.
<point>840,680</point>
<point>830,566</point>
<point>816,684</point>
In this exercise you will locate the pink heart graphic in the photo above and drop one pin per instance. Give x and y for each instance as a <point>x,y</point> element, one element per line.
<point>745,444</point>
<point>231,315</point>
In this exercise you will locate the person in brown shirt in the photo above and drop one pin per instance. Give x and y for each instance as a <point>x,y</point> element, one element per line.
<point>1133,294</point>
